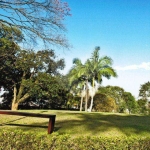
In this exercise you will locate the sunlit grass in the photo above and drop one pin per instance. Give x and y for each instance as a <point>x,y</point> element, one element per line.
<point>81,124</point>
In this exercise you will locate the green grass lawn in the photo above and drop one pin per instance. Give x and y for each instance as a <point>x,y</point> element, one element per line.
<point>81,124</point>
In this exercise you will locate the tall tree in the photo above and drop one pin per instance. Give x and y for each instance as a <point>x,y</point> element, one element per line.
<point>33,74</point>
<point>130,101</point>
<point>94,69</point>
<point>36,19</point>
<point>98,67</point>
<point>144,91</point>
<point>76,75</point>
<point>25,73</point>
<point>8,50</point>
<point>116,93</point>
<point>142,104</point>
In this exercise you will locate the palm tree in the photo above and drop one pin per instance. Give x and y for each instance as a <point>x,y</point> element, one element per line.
<point>77,75</point>
<point>93,70</point>
<point>98,67</point>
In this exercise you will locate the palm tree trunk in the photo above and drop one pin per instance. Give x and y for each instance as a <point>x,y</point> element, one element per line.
<point>86,96</point>
<point>93,91</point>
<point>86,99</point>
<point>91,105</point>
<point>81,103</point>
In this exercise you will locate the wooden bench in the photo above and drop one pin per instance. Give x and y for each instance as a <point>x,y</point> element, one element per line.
<point>51,122</point>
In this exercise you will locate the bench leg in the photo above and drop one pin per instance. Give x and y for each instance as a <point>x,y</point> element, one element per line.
<point>51,125</point>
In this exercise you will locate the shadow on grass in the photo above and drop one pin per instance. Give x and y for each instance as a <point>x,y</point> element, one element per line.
<point>26,125</point>
<point>80,124</point>
<point>12,121</point>
<point>29,125</point>
<point>98,124</point>
<point>37,128</point>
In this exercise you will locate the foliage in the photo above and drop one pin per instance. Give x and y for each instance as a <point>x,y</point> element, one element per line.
<point>73,102</point>
<point>123,100</point>
<point>142,105</point>
<point>130,102</point>
<point>8,50</point>
<point>144,94</point>
<point>36,19</point>
<point>26,73</point>
<point>116,93</point>
<point>92,70</point>
<point>96,67</point>
<point>144,91</point>
<point>103,103</point>
<point>18,140</point>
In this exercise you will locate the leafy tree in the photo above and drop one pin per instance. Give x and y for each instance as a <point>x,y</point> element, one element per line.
<point>25,73</point>
<point>77,77</point>
<point>144,94</point>
<point>142,105</point>
<point>116,93</point>
<point>96,68</point>
<point>104,103</point>
<point>93,70</point>
<point>130,102</point>
<point>56,99</point>
<point>36,19</point>
<point>123,100</point>
<point>35,76</point>
<point>144,91</point>
<point>61,99</point>
<point>8,50</point>
<point>79,89</point>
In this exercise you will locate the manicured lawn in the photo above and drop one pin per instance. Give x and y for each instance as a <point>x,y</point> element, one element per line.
<point>81,124</point>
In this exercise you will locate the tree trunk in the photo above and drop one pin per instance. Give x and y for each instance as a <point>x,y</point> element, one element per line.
<point>92,93</point>
<point>81,103</point>
<point>14,106</point>
<point>86,96</point>
<point>91,105</point>
<point>83,94</point>
<point>18,99</point>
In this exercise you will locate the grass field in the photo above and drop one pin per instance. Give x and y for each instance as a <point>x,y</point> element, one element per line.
<point>81,124</point>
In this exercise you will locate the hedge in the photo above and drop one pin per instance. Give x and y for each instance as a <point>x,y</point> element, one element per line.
<point>19,140</point>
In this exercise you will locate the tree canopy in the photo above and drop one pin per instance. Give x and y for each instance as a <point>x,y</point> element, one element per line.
<point>92,70</point>
<point>42,20</point>
<point>116,99</point>
<point>26,73</point>
<point>144,91</point>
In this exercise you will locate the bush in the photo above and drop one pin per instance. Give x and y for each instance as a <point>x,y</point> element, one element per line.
<point>18,140</point>
<point>103,103</point>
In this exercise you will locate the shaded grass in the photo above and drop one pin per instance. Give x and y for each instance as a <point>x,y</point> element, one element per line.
<point>81,124</point>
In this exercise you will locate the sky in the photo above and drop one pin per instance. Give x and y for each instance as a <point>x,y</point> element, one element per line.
<point>122,30</point>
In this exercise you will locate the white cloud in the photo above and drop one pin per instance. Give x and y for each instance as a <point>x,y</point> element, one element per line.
<point>144,65</point>
<point>130,81</point>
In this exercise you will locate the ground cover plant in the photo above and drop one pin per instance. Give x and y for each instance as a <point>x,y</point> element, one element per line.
<point>76,130</point>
